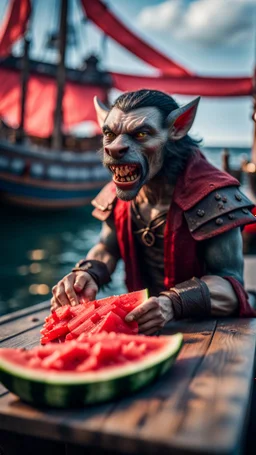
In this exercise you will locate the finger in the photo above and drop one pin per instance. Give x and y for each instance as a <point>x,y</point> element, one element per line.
<point>54,305</point>
<point>69,290</point>
<point>152,314</point>
<point>90,289</point>
<point>60,295</point>
<point>142,309</point>
<point>155,323</point>
<point>80,281</point>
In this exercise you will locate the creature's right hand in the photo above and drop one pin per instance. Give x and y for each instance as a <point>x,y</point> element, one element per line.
<point>66,290</point>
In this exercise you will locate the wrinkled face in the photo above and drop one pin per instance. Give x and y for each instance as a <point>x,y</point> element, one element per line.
<point>133,146</point>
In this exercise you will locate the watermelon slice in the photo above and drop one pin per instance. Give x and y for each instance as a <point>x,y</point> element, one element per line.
<point>103,367</point>
<point>93,317</point>
<point>113,323</point>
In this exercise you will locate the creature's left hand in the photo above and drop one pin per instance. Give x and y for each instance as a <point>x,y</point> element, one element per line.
<point>152,315</point>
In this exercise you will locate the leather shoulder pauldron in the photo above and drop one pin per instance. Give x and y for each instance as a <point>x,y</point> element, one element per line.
<point>104,202</point>
<point>219,212</point>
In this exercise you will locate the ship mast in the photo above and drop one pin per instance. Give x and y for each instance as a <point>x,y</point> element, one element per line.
<point>57,137</point>
<point>24,86</point>
<point>254,117</point>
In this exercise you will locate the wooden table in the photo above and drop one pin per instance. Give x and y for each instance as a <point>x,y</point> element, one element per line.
<point>201,406</point>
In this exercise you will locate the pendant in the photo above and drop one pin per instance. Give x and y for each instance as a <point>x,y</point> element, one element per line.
<point>148,237</point>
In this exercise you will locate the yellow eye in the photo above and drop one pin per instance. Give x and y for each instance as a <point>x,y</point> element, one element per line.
<point>140,134</point>
<point>109,135</point>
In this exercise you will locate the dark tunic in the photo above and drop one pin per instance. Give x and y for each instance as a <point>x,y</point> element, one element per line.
<point>150,257</point>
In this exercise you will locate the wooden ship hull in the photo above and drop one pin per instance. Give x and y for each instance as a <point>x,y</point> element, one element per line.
<point>41,165</point>
<point>49,180</point>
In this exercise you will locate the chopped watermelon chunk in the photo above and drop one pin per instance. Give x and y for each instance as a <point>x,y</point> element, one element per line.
<point>108,314</point>
<point>84,327</point>
<point>75,310</point>
<point>107,350</point>
<point>61,328</point>
<point>120,311</point>
<point>70,336</point>
<point>113,323</point>
<point>62,312</point>
<point>81,317</point>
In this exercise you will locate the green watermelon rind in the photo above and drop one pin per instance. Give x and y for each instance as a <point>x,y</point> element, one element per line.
<point>64,390</point>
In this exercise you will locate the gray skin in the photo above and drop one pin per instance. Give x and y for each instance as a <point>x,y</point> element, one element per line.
<point>126,140</point>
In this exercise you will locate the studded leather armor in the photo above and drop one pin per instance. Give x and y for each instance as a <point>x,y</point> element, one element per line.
<point>218,212</point>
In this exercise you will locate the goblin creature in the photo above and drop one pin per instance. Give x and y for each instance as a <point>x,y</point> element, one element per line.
<point>173,218</point>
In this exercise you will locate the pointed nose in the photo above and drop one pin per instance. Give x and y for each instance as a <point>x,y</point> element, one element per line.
<point>116,152</point>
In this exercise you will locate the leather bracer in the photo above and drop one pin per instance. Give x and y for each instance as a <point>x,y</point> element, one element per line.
<point>190,299</point>
<point>97,269</point>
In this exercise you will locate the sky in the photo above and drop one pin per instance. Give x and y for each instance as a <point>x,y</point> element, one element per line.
<point>208,37</point>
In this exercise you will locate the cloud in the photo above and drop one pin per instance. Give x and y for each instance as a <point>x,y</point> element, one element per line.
<point>208,23</point>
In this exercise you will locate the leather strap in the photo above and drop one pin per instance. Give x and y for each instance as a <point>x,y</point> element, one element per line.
<point>190,299</point>
<point>97,269</point>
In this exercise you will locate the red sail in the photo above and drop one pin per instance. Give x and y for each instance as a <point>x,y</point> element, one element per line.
<point>77,103</point>
<point>78,99</point>
<point>113,27</point>
<point>14,25</point>
<point>190,85</point>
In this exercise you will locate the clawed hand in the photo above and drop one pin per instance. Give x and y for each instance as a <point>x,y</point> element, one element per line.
<point>152,315</point>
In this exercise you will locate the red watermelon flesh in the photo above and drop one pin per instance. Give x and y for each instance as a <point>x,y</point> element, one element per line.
<point>93,353</point>
<point>93,317</point>
<point>82,316</point>
<point>113,323</point>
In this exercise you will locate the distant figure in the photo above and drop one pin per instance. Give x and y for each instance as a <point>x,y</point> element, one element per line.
<point>225,159</point>
<point>173,218</point>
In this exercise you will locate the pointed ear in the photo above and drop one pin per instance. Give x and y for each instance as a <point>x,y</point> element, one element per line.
<point>180,120</point>
<point>101,111</point>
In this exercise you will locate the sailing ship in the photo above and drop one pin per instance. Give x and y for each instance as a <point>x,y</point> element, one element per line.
<point>56,170</point>
<point>60,178</point>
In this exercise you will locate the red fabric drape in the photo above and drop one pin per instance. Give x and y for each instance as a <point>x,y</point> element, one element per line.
<point>97,12</point>
<point>14,25</point>
<point>77,102</point>
<point>189,85</point>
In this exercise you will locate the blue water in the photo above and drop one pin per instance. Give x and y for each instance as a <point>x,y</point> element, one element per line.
<point>39,248</point>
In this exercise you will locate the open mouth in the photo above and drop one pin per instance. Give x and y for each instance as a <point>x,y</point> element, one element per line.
<point>125,174</point>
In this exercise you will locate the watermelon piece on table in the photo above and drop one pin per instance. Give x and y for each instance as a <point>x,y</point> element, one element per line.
<point>101,368</point>
<point>106,314</point>
<point>61,328</point>
<point>113,323</point>
<point>81,317</point>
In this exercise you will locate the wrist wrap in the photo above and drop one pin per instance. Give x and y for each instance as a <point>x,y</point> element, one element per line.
<point>97,269</point>
<point>190,299</point>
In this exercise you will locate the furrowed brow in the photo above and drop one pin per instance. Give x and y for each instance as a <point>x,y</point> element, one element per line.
<point>143,127</point>
<point>106,129</point>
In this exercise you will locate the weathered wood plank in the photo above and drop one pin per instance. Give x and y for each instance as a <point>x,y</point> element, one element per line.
<point>22,325</point>
<point>155,412</point>
<point>59,425</point>
<point>20,444</point>
<point>216,404</point>
<point>25,312</point>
